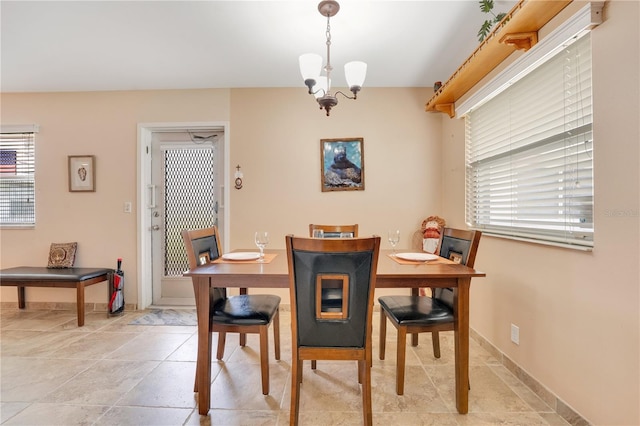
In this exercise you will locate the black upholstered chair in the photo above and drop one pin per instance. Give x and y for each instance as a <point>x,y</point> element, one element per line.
<point>329,334</point>
<point>235,314</point>
<point>331,296</point>
<point>418,314</point>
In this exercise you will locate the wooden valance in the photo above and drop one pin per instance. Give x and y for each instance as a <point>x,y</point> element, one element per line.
<point>518,30</point>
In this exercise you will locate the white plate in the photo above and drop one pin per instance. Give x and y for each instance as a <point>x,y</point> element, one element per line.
<point>248,255</point>
<point>420,257</point>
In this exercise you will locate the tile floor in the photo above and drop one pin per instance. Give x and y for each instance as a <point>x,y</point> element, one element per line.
<point>112,373</point>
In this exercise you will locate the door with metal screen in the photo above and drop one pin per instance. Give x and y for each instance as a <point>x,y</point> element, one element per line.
<point>185,195</point>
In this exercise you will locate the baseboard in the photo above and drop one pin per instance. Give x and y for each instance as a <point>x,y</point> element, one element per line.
<point>552,400</point>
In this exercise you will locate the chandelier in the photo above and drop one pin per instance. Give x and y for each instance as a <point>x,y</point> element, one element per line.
<point>311,67</point>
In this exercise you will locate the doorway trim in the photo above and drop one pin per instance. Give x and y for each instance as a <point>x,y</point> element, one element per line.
<point>145,133</point>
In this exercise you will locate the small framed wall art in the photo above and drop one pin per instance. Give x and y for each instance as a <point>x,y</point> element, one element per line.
<point>342,164</point>
<point>82,173</point>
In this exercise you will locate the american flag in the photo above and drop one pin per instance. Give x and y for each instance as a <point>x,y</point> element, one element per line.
<point>7,162</point>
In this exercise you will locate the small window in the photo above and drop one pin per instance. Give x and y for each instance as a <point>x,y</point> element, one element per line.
<point>17,176</point>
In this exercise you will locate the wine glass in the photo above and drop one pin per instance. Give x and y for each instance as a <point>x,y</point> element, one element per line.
<point>318,233</point>
<point>262,239</point>
<point>394,238</point>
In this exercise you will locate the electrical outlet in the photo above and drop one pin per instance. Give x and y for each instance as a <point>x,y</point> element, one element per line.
<point>127,207</point>
<point>515,334</point>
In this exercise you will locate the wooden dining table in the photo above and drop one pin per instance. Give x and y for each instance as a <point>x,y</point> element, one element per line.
<point>390,274</point>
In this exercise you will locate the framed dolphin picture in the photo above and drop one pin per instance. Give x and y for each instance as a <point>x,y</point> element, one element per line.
<point>342,164</point>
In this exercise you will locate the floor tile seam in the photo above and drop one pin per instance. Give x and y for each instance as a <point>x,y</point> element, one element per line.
<point>72,377</point>
<point>48,358</point>
<point>82,337</point>
<point>42,329</point>
<point>193,415</point>
<point>426,368</point>
<point>54,357</point>
<point>181,346</point>
<point>416,412</point>
<point>133,385</point>
<point>437,388</point>
<point>134,339</point>
<point>502,412</point>
<point>97,421</point>
<point>283,400</point>
<point>67,404</point>
<point>519,393</point>
<point>29,404</point>
<point>182,407</point>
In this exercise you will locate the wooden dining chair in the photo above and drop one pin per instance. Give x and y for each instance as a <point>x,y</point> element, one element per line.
<point>331,295</point>
<point>335,231</point>
<point>419,314</point>
<point>327,334</point>
<point>243,313</point>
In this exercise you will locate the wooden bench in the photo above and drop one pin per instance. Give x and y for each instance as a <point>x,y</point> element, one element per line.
<point>34,276</point>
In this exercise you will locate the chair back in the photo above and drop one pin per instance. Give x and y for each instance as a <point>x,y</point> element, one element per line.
<point>459,245</point>
<point>354,262</point>
<point>203,246</point>
<point>335,231</point>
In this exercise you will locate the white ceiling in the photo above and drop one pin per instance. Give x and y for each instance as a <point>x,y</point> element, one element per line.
<point>137,45</point>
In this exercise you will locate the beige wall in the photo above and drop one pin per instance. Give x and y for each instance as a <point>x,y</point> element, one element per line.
<point>103,124</point>
<point>278,147</point>
<point>577,311</point>
<point>274,135</point>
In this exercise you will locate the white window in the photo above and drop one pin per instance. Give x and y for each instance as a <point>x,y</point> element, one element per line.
<point>17,176</point>
<point>529,153</point>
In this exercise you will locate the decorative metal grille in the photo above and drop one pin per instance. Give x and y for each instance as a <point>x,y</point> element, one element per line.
<point>190,200</point>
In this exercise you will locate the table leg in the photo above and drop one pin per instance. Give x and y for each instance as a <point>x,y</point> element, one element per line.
<point>21,300</point>
<point>461,337</point>
<point>203,363</point>
<point>80,302</point>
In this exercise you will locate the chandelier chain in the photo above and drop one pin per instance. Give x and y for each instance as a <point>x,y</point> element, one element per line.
<point>328,67</point>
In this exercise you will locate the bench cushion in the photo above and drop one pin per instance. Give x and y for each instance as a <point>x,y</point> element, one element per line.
<point>39,273</point>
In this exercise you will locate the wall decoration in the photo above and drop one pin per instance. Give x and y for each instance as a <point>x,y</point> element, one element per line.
<point>62,255</point>
<point>342,164</point>
<point>82,173</point>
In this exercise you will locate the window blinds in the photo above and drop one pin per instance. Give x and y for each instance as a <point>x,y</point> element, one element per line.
<point>529,154</point>
<point>17,178</point>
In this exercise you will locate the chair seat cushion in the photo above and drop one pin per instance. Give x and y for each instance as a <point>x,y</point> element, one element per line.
<point>414,310</point>
<point>246,309</point>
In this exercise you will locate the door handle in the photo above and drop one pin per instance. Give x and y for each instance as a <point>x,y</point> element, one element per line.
<point>155,227</point>
<point>152,204</point>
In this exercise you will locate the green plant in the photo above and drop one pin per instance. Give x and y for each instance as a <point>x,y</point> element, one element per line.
<point>486,6</point>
